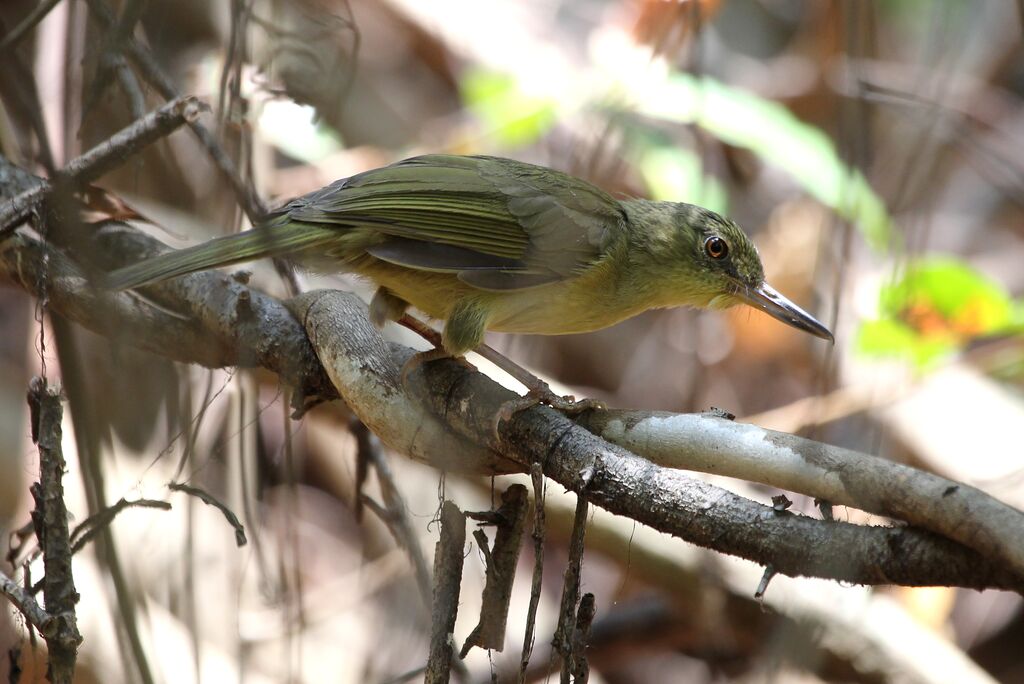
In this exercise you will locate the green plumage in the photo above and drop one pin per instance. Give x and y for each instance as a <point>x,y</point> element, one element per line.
<point>491,243</point>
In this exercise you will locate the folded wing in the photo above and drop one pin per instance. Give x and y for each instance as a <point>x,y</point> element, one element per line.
<point>497,223</point>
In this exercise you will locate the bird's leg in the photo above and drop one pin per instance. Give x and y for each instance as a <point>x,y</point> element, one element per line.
<point>387,306</point>
<point>537,391</point>
<point>430,335</point>
<point>465,329</point>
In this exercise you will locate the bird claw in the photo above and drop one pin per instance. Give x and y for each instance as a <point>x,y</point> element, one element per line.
<point>420,358</point>
<point>567,404</point>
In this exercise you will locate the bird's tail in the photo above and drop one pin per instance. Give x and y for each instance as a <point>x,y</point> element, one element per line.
<point>278,236</point>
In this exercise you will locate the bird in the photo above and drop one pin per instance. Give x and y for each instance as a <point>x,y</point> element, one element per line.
<point>487,243</point>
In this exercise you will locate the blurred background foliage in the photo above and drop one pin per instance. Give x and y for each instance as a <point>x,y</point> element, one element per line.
<point>872,149</point>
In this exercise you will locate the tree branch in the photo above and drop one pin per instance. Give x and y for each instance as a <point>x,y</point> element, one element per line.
<point>445,416</point>
<point>668,500</point>
<point>27,606</point>
<point>840,476</point>
<point>102,158</point>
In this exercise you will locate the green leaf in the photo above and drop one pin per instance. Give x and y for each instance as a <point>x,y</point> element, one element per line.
<point>677,174</point>
<point>889,338</point>
<point>773,133</point>
<point>513,117</point>
<point>961,297</point>
<point>935,309</point>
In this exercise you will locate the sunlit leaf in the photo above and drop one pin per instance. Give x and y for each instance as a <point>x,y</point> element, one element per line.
<point>937,308</point>
<point>513,117</point>
<point>676,174</point>
<point>778,137</point>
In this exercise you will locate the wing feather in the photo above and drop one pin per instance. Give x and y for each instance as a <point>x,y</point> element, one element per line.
<point>500,224</point>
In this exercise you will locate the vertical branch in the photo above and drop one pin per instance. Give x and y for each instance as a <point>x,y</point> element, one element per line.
<point>395,514</point>
<point>50,519</point>
<point>537,478</point>
<point>579,668</point>
<point>563,640</point>
<point>501,559</point>
<point>447,580</point>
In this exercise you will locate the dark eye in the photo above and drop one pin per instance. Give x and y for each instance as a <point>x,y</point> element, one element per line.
<point>716,247</point>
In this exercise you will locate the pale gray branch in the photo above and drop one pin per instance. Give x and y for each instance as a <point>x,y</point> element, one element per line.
<point>366,372</point>
<point>711,444</point>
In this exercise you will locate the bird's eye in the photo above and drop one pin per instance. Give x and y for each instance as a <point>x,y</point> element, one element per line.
<point>716,247</point>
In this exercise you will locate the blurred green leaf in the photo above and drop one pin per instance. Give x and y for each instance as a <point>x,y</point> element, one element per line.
<point>778,137</point>
<point>935,309</point>
<point>672,173</point>
<point>514,118</point>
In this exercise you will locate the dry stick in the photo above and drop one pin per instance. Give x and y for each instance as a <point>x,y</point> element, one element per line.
<point>580,668</point>
<point>50,518</point>
<point>563,641</point>
<point>27,606</point>
<point>364,446</point>
<point>154,74</point>
<point>447,580</point>
<point>537,479</point>
<point>396,515</point>
<point>91,526</point>
<point>501,562</point>
<point>103,157</point>
<point>211,500</point>
<point>15,35</point>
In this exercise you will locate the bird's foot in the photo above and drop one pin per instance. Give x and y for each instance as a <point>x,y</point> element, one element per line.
<point>420,358</point>
<point>542,394</point>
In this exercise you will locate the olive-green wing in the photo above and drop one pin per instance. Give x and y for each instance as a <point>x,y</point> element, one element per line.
<point>498,223</point>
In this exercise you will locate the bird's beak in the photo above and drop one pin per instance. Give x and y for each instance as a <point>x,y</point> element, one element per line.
<point>767,299</point>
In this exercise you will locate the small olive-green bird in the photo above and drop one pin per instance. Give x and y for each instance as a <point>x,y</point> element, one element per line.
<point>485,243</point>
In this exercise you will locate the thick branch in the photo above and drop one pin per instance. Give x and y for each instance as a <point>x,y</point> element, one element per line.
<point>365,369</point>
<point>611,477</point>
<point>841,476</point>
<point>672,502</point>
<point>458,434</point>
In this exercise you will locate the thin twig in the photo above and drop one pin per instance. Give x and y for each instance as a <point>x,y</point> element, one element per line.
<point>580,669</point>
<point>211,500</point>
<point>15,35</point>
<point>102,158</point>
<point>153,73</point>
<point>537,479</point>
<point>396,515</point>
<point>91,526</point>
<point>563,641</point>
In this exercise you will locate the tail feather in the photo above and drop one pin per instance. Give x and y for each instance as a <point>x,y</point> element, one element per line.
<point>278,237</point>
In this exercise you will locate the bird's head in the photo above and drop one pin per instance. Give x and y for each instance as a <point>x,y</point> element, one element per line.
<point>715,264</point>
